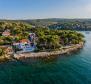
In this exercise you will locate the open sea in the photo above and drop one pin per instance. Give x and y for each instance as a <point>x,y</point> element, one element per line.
<point>74,68</point>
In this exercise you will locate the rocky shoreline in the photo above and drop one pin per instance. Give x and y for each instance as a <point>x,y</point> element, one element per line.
<point>64,50</point>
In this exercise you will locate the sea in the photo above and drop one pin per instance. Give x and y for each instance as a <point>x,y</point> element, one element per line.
<point>72,68</point>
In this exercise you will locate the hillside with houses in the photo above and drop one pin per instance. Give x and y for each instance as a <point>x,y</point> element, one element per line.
<point>62,23</point>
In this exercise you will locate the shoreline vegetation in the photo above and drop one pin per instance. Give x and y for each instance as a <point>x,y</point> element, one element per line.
<point>43,54</point>
<point>46,54</point>
<point>23,40</point>
<point>65,50</point>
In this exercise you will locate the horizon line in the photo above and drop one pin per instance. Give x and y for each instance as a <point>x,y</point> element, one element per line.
<point>39,18</point>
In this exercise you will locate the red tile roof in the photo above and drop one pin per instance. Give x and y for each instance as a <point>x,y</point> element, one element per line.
<point>24,40</point>
<point>6,33</point>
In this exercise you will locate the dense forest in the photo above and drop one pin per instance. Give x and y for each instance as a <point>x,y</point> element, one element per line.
<point>45,38</point>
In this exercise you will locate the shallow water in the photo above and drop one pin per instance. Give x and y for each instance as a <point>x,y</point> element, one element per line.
<point>74,68</point>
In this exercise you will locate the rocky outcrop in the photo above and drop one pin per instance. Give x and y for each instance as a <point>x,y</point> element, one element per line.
<point>63,50</point>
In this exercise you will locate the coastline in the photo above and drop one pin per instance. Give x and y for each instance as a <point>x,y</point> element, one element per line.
<point>64,50</point>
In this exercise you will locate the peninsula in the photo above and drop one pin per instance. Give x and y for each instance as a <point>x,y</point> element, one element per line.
<point>20,39</point>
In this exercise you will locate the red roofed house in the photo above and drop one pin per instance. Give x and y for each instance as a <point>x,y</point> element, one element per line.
<point>6,33</point>
<point>25,45</point>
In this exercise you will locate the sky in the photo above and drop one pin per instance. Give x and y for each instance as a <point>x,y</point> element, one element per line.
<point>38,9</point>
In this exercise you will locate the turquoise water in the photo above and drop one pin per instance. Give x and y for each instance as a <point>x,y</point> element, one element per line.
<point>74,68</point>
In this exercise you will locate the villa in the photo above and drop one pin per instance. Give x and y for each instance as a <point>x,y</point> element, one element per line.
<point>26,45</point>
